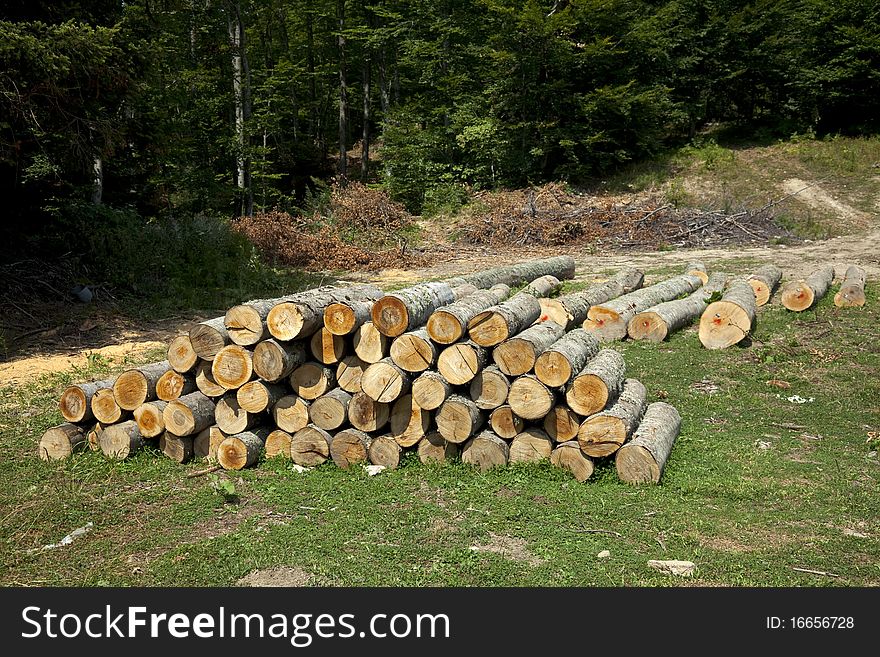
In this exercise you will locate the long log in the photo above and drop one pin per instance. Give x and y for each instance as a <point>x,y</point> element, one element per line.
<point>459,418</point>
<point>385,451</point>
<point>489,388</point>
<point>408,421</point>
<point>430,390</point>
<point>448,324</point>
<point>852,289</point>
<point>295,319</point>
<point>189,415</point>
<point>205,381</point>
<point>369,344</point>
<point>802,294</point>
<point>562,360</point>
<point>764,282</point>
<point>246,323</point>
<point>75,402</point>
<point>568,456</point>
<point>243,449</point>
<point>530,446</point>
<point>105,409</point>
<point>327,348</point>
<point>643,458</point>
<point>366,414</point>
<point>350,373</point>
<point>121,440</point>
<point>231,417</point>
<point>562,424</point>
<point>384,381</point>
<point>330,411</point>
<point>346,318</point>
<point>407,309</point>
<point>434,448</point>
<point>505,423</point>
<point>259,396</point>
<point>181,355</point>
<point>486,451</point>
<point>149,418</point>
<point>414,351</point>
<point>697,269</point>
<point>274,361</point>
<point>517,355</point>
<point>459,363</point>
<point>136,386</point>
<point>562,267</point>
<point>656,323</point>
<point>603,434</point>
<point>497,323</point>
<point>233,366</point>
<point>728,321</point>
<point>172,385</point>
<point>350,447</point>
<point>311,380</point>
<point>599,382</point>
<point>310,446</point>
<point>177,448</point>
<point>529,398</point>
<point>571,310</point>
<point>278,444</point>
<point>209,337</point>
<point>291,413</point>
<point>61,441</point>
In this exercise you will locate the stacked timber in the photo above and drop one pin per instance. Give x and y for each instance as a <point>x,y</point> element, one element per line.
<point>657,322</point>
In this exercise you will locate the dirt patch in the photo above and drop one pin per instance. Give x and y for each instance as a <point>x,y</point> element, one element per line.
<point>277,576</point>
<point>509,547</point>
<point>817,199</point>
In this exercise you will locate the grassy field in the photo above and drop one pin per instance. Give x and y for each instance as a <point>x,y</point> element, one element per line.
<point>756,486</point>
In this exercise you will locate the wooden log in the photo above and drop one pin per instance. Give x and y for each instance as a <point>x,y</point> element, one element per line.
<point>121,440</point>
<point>231,417</point>
<point>384,381</point>
<point>802,294</point>
<point>233,366</point>
<point>105,409</point>
<point>366,414</point>
<point>603,434</point>
<point>327,348</point>
<point>206,442</point>
<point>242,449</point>
<point>133,387</point>
<point>407,309</point>
<point>764,282</point>
<point>408,421</point>
<point>459,418</point>
<point>489,388</point>
<point>246,323</point>
<point>274,361</point>
<point>370,345</point>
<point>346,318</point>
<point>434,448</point>
<point>311,380</point>
<point>656,323</point>
<point>350,373</point>
<point>181,355</point>
<point>75,402</point>
<point>486,451</point>
<point>259,396</point>
<point>643,458</point>
<point>430,390</point>
<point>61,441</point>
<point>517,355</point>
<point>608,321</point>
<point>598,383</point>
<point>302,317</point>
<point>728,321</point>
<point>529,398</point>
<point>330,411</point>
<point>149,418</point>
<point>205,381</point>
<point>278,444</point>
<point>414,351</point>
<point>310,446</point>
<point>562,424</point>
<point>461,362</point>
<point>448,324</point>
<point>530,446</point>
<point>93,436</point>
<point>852,289</point>
<point>350,447</point>
<point>571,310</point>
<point>505,423</point>
<point>697,269</point>
<point>189,415</point>
<point>177,448</point>
<point>562,360</point>
<point>209,337</point>
<point>172,385</point>
<point>385,451</point>
<point>512,275</point>
<point>499,322</point>
<point>291,413</point>
<point>569,456</point>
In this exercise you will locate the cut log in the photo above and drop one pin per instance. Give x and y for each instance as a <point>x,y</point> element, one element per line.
<point>559,364</point>
<point>603,434</point>
<point>407,309</point>
<point>291,413</point>
<point>852,290</point>
<point>562,424</point>
<point>330,411</point>
<point>310,446</point>
<point>242,449</point>
<point>486,451</point>
<point>172,385</point>
<point>134,387</point>
<point>571,310</point>
<point>209,337</point>
<point>414,351</point>
<point>385,451</point>
<point>246,323</point>
<point>75,403</point>
<point>430,390</point>
<point>350,373</point>
<point>461,362</point>
<point>206,442</point>
<point>506,423</point>
<point>569,456</point>
<point>149,418</point>
<point>189,415</point>
<point>327,348</point>
<point>384,381</point>
<point>232,418</point>
<point>302,317</point>
<point>459,418</point>
<point>530,446</point>
<point>273,360</point>
<point>764,282</point>
<point>497,323</point>
<point>728,321</point>
<point>370,345</point>
<point>408,422</point>
<point>278,444</point>
<point>350,447</point>
<point>259,396</point>
<point>105,409</point>
<point>543,286</point>
<point>697,269</point>
<point>61,441</point>
<point>205,381</point>
<point>512,275</point>
<point>448,324</point>
<point>233,366</point>
<point>598,383</point>
<point>93,436</point>
<point>517,355</point>
<point>608,321</point>
<point>529,398</point>
<point>490,388</point>
<point>121,440</point>
<point>643,458</point>
<point>657,322</point>
<point>434,448</point>
<point>177,448</point>
<point>181,355</point>
<point>311,380</point>
<point>803,294</point>
<point>345,318</point>
<point>366,414</point>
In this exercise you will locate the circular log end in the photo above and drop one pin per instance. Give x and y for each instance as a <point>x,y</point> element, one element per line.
<point>149,420</point>
<point>170,385</point>
<point>797,296</point>
<point>587,395</point>
<point>635,465</point>
<point>104,407</point>
<point>278,444</point>
<point>326,347</point>
<point>762,292</point>
<point>130,390</point>
<point>339,319</point>
<point>703,276</point>
<point>244,325</point>
<point>181,355</point>
<point>347,449</point>
<point>568,456</point>
<point>72,404</point>
<point>601,435</point>
<point>55,444</point>
<point>233,366</point>
<point>390,316</point>
<point>553,369</point>
<point>206,341</point>
<point>488,329</point>
<point>232,454</point>
<point>284,321</point>
<point>647,326</point>
<point>384,451</point>
<point>412,353</point>
<point>561,424</point>
<point>723,324</point>
<point>444,327</point>
<point>179,419</point>
<point>514,357</point>
<point>382,382</point>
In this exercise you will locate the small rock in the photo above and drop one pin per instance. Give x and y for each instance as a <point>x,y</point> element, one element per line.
<point>763,444</point>
<point>299,468</point>
<point>373,470</point>
<point>854,533</point>
<point>674,567</point>
<point>604,554</point>
<point>872,455</point>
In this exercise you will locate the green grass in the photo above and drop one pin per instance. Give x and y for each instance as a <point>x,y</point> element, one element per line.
<point>746,515</point>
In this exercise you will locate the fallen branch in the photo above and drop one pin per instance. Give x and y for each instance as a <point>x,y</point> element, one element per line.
<point>815,572</point>
<point>199,473</point>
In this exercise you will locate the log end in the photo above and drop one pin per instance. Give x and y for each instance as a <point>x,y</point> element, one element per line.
<point>723,324</point>
<point>553,369</point>
<point>762,291</point>
<point>514,357</point>
<point>647,326</point>
<point>587,395</point>
<point>232,454</point>
<point>284,321</point>
<point>73,404</point>
<point>59,442</point>
<point>130,390</point>
<point>445,328</point>
<point>636,465</point>
<point>568,456</point>
<point>850,296</point>
<point>488,329</point>
<point>233,366</point>
<point>181,355</point>
<point>797,296</point>
<point>601,435</point>
<point>339,319</point>
<point>390,316</point>
<point>244,325</point>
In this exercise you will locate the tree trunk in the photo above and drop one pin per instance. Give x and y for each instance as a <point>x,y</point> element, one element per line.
<point>385,451</point>
<point>697,269</point>
<point>60,442</point>
<point>259,396</point>
<point>414,351</point>
<point>97,179</point>
<point>233,366</point>
<point>133,387</point>
<point>246,322</point>
<point>369,344</point>
<point>459,418</point>
<point>486,451</point>
<point>172,385</point>
<point>274,361</point>
<point>75,403</point>
<point>209,337</point>
<point>121,440</point>
<point>490,388</point>
<point>571,310</point>
<point>643,458</point>
<point>506,423</point>
<point>330,411</point>
<point>409,422</point>
<point>346,318</point>
<point>242,107</point>
<point>517,355</point>
<point>231,417</point>
<point>460,363</point>
<point>562,424</point>
<point>310,446</point>
<point>764,282</point>
<point>434,448</point>
<point>189,415</point>
<point>656,323</point>
<point>311,380</point>
<point>365,134</point>
<point>384,381</point>
<point>603,433</point>
<point>350,372</point>
<point>343,91</point>
<point>543,286</point>
<point>430,390</point>
<point>350,447</point>
<point>177,448</point>
<point>569,456</point>
<point>598,383</point>
<point>728,321</point>
<point>291,413</point>
<point>407,309</point>
<point>558,365</point>
<point>448,324</point>
<point>530,446</point>
<point>278,444</point>
<point>366,414</point>
<point>497,323</point>
<point>205,381</point>
<point>243,449</point>
<point>803,294</point>
<point>181,355</point>
<point>852,290</point>
<point>562,267</point>
<point>105,409</point>
<point>327,348</point>
<point>149,418</point>
<point>302,316</point>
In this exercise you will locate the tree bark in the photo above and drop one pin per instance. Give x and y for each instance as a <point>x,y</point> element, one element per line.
<point>643,458</point>
<point>497,323</point>
<point>302,316</point>
<point>291,413</point>
<point>569,456</point>
<point>656,323</point>
<point>414,351</point>
<point>241,96</point>
<point>486,451</point>
<point>852,290</point>
<point>149,418</point>
<point>562,360</point>
<point>803,294</point>
<point>603,434</point>
<point>489,388</point>
<point>310,446</point>
<point>459,418</point>
<point>448,324</point>
<point>764,282</point>
<point>562,267</point>
<point>330,411</point>
<point>460,363</point>
<point>728,321</point>
<point>599,382</point>
<point>517,355</point>
<point>571,310</point>
<point>408,422</point>
<point>384,381</point>
<point>697,269</point>
<point>134,387</point>
<point>246,322</point>
<point>430,390</point>
<point>181,355</point>
<point>529,398</point>
<point>434,448</point>
<point>365,133</point>
<point>75,402</point>
<point>350,447</point>
<point>189,415</point>
<point>311,380</point>
<point>61,441</point>
<point>343,91</point>
<point>530,446</point>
